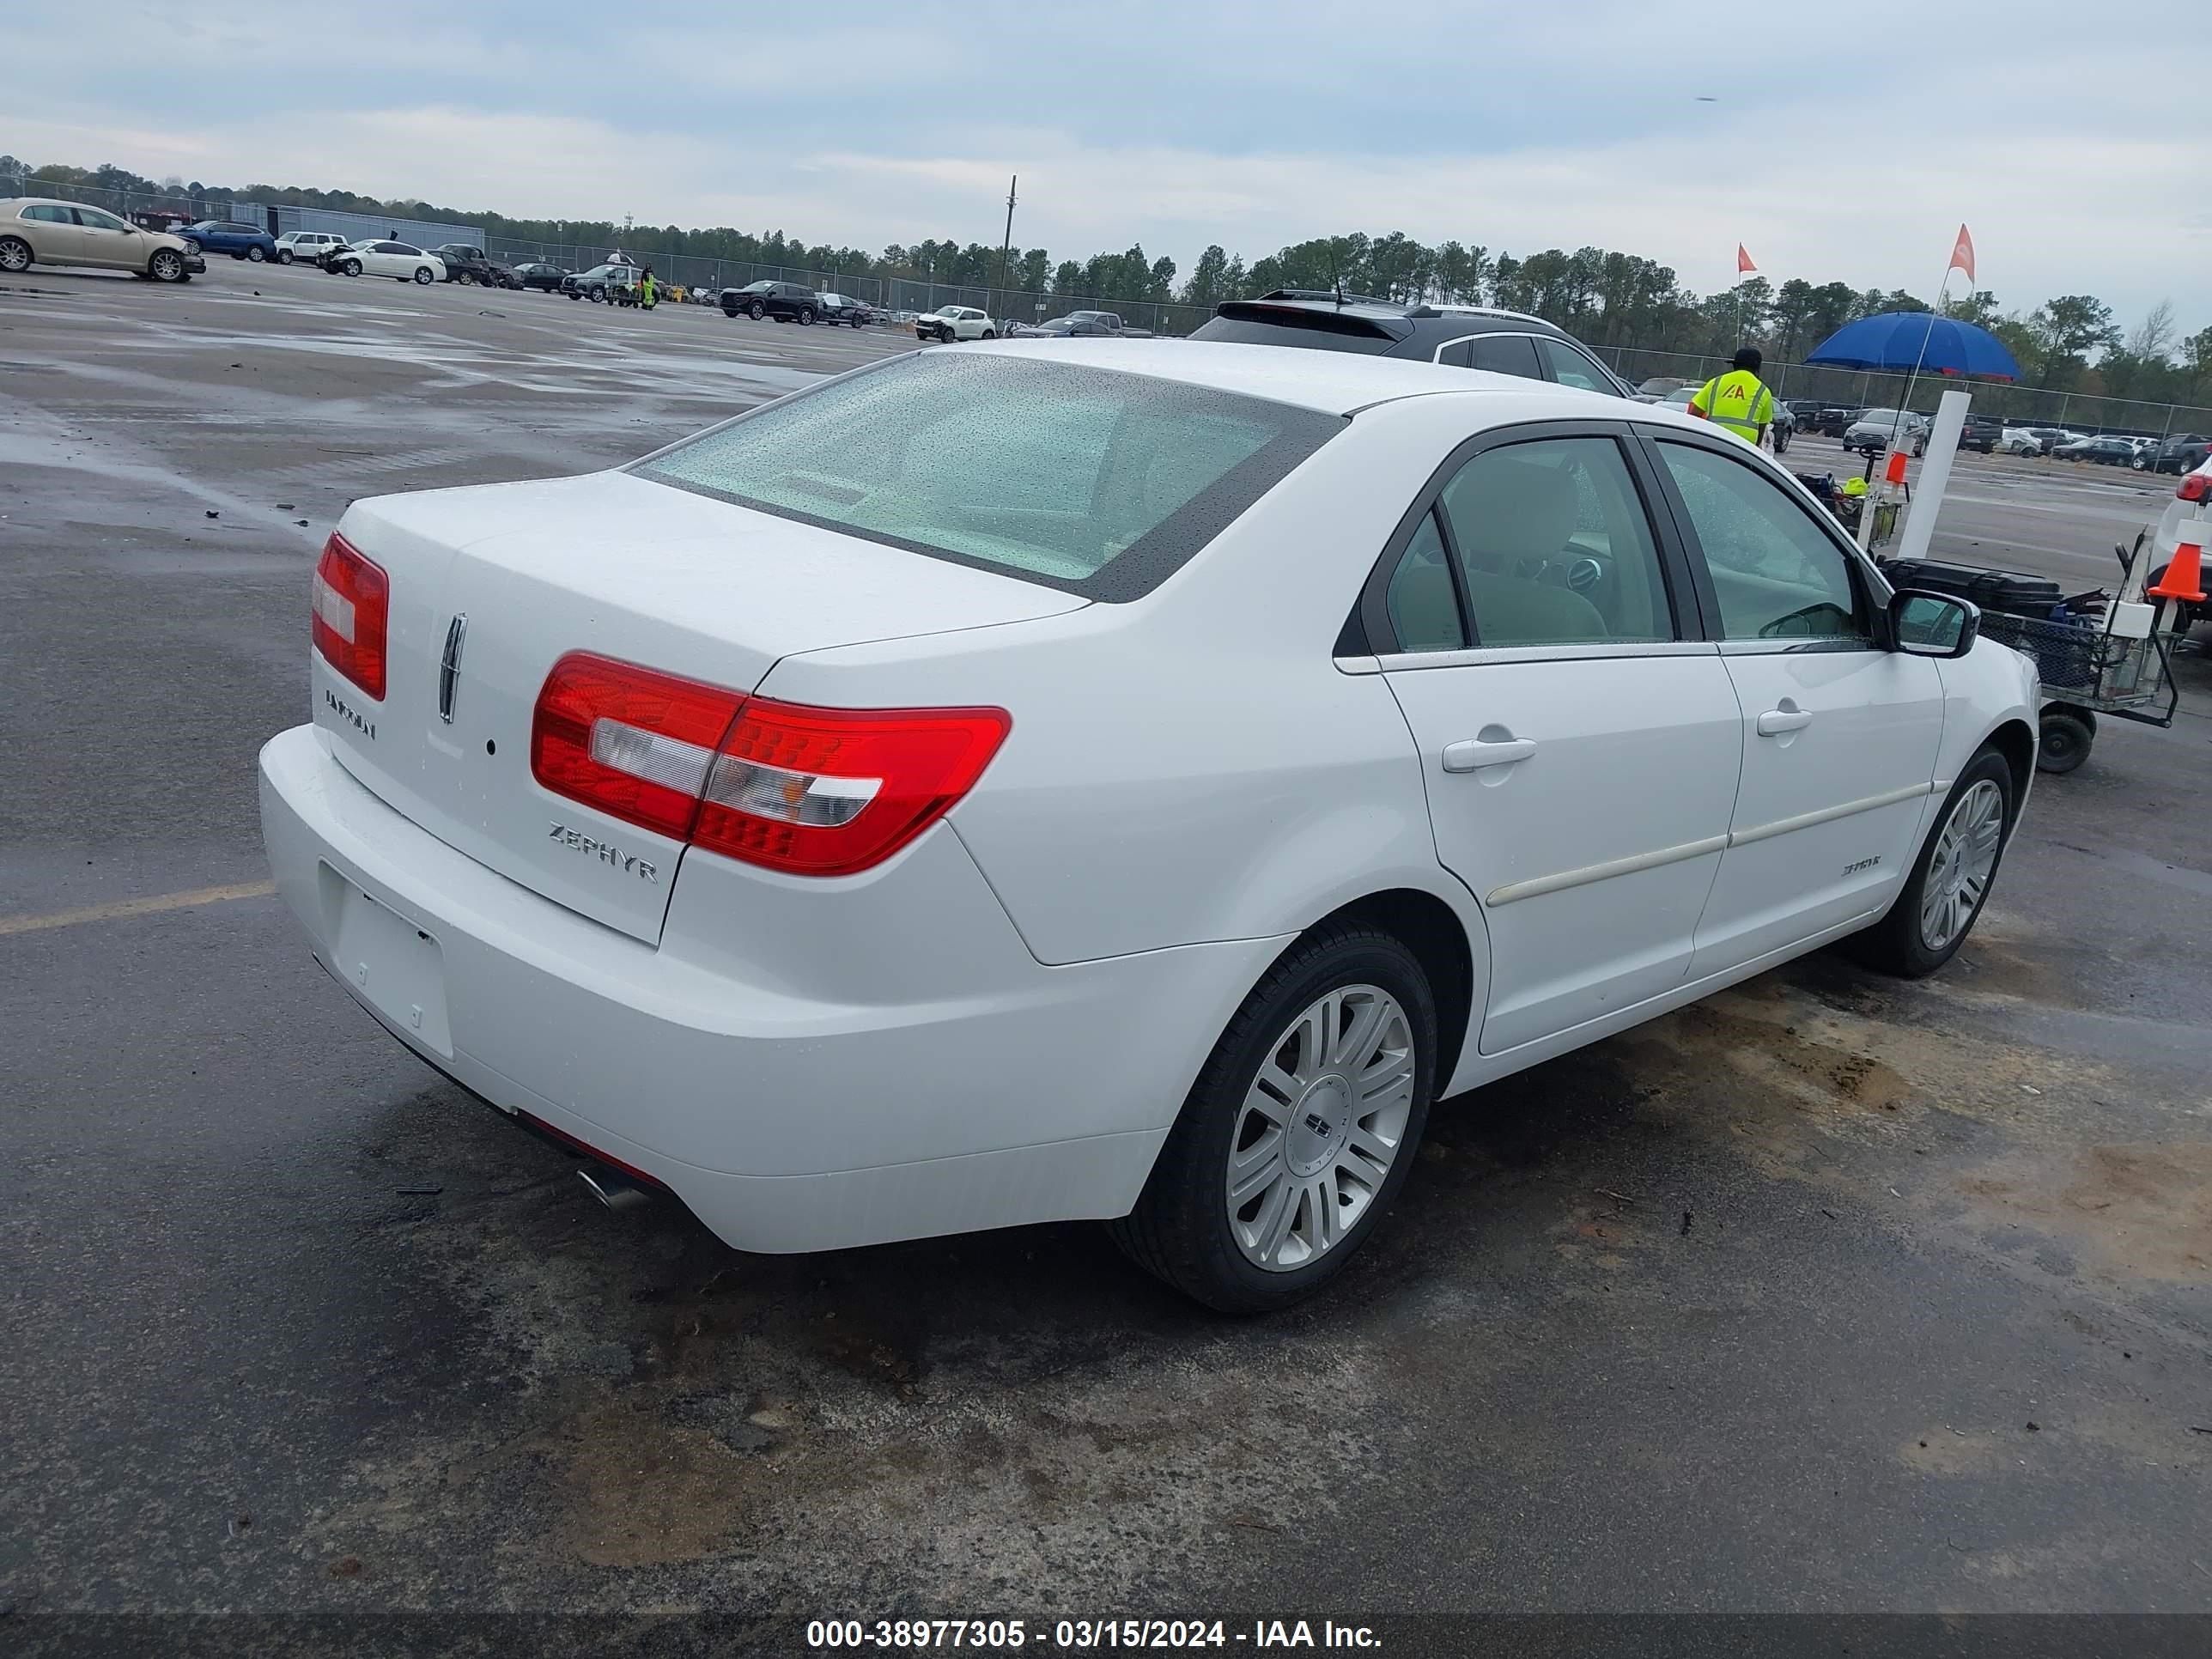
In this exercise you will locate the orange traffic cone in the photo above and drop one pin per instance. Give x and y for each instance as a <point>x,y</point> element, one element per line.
<point>2184,577</point>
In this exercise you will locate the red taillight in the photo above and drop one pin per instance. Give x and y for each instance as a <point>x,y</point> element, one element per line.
<point>824,791</point>
<point>636,744</point>
<point>2195,487</point>
<point>352,604</point>
<point>817,792</point>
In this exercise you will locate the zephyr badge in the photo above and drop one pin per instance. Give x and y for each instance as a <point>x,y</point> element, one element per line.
<point>449,665</point>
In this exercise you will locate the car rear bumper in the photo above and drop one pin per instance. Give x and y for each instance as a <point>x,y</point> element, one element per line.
<point>957,1085</point>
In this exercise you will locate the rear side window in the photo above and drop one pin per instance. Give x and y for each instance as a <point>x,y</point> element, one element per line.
<point>1554,546</point>
<point>1098,483</point>
<point>1501,354</point>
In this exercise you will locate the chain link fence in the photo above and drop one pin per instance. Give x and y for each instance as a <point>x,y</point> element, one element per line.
<point>2016,406</point>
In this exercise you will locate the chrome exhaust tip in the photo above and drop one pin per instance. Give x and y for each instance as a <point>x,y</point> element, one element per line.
<point>614,1189</point>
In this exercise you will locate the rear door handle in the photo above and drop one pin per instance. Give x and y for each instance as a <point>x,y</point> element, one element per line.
<point>1475,754</point>
<point>1775,721</point>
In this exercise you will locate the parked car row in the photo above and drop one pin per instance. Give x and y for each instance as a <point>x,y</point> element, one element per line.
<point>795,302</point>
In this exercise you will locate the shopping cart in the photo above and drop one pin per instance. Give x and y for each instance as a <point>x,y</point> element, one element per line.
<point>2116,661</point>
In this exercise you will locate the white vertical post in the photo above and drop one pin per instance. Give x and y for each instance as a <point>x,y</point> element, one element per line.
<point>1935,475</point>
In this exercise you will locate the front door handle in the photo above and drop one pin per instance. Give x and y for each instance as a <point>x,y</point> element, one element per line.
<point>1788,718</point>
<point>1475,754</point>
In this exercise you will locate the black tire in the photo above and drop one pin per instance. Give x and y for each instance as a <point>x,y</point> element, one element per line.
<point>466,279</point>
<point>15,254</point>
<point>1180,1229</point>
<point>422,274</point>
<point>284,256</point>
<point>598,296</point>
<point>164,264</point>
<point>990,333</point>
<point>255,254</point>
<point>2064,737</point>
<point>351,267</point>
<point>806,316</point>
<point>757,311</point>
<point>1895,944</point>
<point>1782,436</point>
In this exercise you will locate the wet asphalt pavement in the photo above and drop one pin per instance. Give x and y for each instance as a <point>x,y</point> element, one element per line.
<point>1831,1293</point>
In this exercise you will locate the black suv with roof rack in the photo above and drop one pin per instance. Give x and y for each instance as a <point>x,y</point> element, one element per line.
<point>1463,337</point>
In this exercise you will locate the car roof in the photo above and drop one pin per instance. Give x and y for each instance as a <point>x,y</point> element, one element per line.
<point>1333,382</point>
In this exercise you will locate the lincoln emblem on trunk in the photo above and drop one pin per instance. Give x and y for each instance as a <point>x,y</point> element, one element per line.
<point>449,665</point>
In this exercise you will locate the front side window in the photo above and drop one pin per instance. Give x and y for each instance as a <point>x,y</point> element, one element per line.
<point>94,219</point>
<point>1569,367</point>
<point>1099,483</point>
<point>1554,546</point>
<point>1777,573</point>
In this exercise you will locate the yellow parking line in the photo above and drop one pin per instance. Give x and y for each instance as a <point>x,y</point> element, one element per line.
<point>138,907</point>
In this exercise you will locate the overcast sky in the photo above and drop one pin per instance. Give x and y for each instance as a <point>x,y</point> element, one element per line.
<point>1845,142</point>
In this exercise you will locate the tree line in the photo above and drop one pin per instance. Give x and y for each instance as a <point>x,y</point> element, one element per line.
<point>2070,343</point>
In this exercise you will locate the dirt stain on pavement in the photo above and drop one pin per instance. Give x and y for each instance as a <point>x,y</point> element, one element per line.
<point>2139,1210</point>
<point>665,1402</point>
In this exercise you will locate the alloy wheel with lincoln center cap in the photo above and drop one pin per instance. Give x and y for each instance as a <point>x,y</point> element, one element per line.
<point>1321,1124</point>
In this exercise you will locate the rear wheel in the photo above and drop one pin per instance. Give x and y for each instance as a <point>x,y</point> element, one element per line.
<point>1950,882</point>
<point>16,254</point>
<point>466,279</point>
<point>255,254</point>
<point>1299,1131</point>
<point>424,275</point>
<point>167,264</point>
<point>806,316</point>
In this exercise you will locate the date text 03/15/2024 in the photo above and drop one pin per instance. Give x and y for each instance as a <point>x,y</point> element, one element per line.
<point>1080,1634</point>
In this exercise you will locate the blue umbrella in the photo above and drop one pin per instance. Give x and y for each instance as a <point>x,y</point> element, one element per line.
<point>1901,341</point>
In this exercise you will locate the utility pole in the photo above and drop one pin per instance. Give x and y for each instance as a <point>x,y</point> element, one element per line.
<point>1005,247</point>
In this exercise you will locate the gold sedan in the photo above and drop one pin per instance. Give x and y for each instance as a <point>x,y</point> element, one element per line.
<point>48,233</point>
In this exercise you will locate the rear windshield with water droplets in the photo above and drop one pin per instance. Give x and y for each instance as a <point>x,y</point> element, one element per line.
<point>1091,480</point>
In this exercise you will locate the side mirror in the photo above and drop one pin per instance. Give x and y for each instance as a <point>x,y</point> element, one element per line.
<point>1925,624</point>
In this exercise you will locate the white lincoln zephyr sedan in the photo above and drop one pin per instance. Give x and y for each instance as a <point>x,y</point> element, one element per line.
<point>1128,780</point>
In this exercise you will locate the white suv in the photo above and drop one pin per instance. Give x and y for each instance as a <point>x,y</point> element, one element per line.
<point>307,245</point>
<point>951,323</point>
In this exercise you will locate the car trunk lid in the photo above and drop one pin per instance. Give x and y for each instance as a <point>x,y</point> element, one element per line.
<point>490,586</point>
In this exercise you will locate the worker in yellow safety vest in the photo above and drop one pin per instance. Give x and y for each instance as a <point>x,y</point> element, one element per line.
<point>1738,400</point>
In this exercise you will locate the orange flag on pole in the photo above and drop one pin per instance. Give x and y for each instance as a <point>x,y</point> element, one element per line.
<point>1962,254</point>
<point>1743,259</point>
